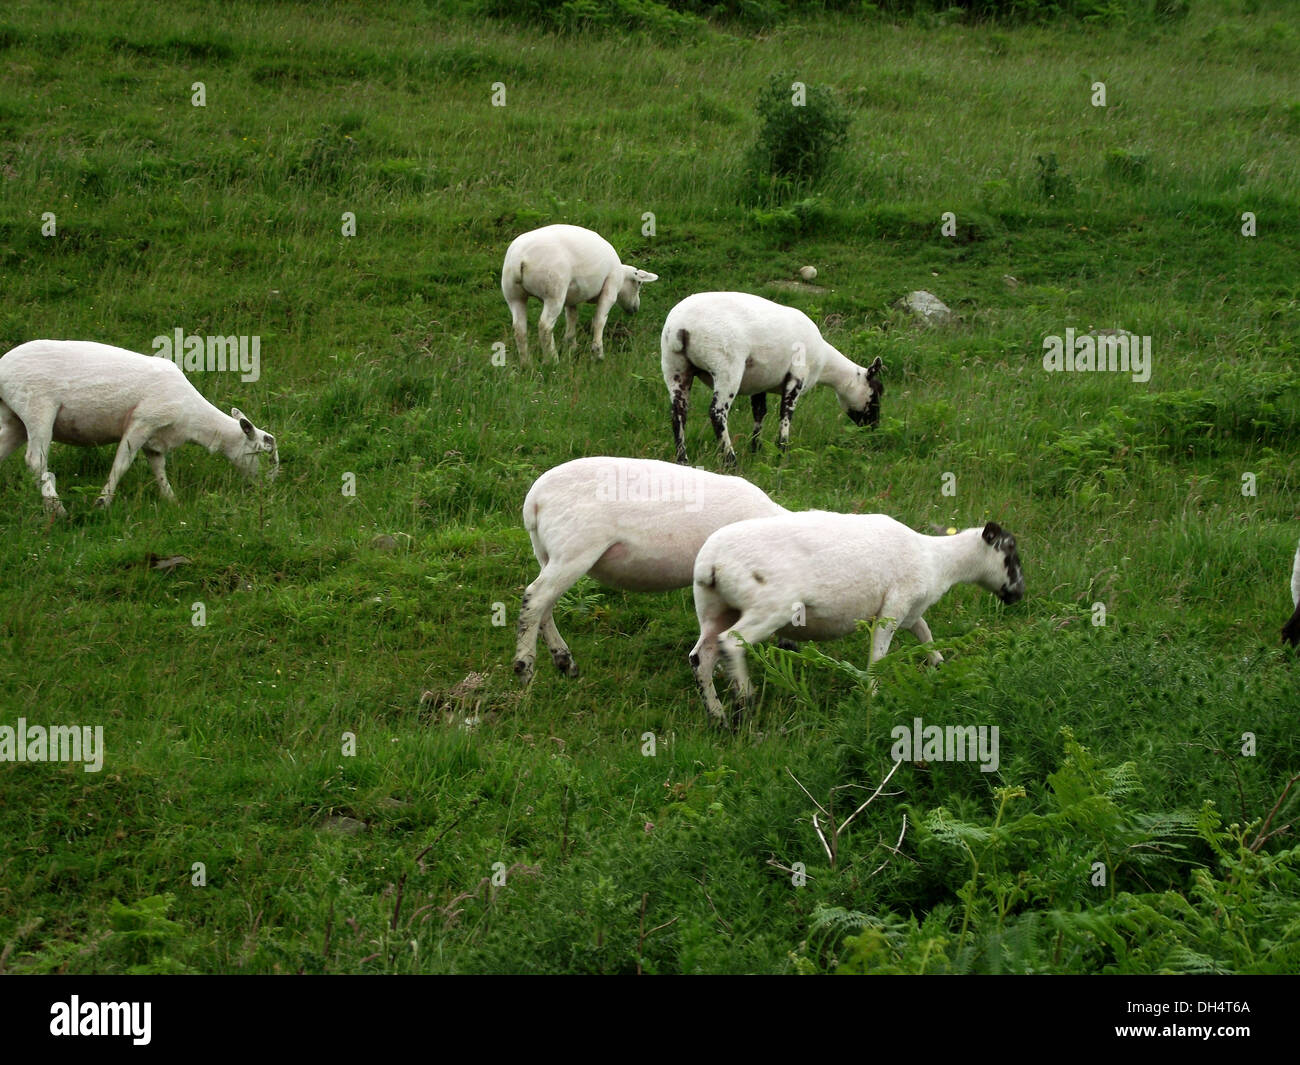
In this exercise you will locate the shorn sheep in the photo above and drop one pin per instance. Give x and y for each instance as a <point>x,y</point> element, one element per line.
<point>632,524</point>
<point>564,266</point>
<point>79,392</point>
<point>1291,630</point>
<point>744,345</point>
<point>815,575</point>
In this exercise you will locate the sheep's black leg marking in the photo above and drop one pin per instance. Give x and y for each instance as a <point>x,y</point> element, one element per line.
<point>787,645</point>
<point>1291,630</point>
<point>523,667</point>
<point>758,403</point>
<point>790,389</point>
<point>681,398</point>
<point>718,411</point>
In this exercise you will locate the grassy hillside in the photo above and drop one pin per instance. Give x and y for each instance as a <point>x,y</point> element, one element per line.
<point>372,614</point>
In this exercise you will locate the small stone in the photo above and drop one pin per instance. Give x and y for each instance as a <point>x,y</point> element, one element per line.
<point>808,273</point>
<point>384,542</point>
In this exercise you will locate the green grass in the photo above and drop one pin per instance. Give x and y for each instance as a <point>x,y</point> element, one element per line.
<point>224,742</point>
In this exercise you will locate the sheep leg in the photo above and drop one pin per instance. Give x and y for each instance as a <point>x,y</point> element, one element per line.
<point>680,390</point>
<point>1291,630</point>
<point>540,598</point>
<point>158,463</point>
<point>40,430</point>
<point>570,325</point>
<point>880,640</point>
<point>751,628</point>
<point>551,307</point>
<point>790,389</point>
<point>133,439</point>
<point>704,660</point>
<point>12,433</point>
<point>758,402</point>
<point>519,322</point>
<point>921,631</point>
<point>603,304</point>
<point>724,394</point>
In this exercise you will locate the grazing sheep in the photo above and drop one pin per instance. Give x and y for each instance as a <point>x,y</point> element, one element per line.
<point>1291,630</point>
<point>815,575</point>
<point>743,345</point>
<point>564,266</point>
<point>79,392</point>
<point>633,524</point>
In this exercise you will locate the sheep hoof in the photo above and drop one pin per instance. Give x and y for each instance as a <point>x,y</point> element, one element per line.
<point>565,664</point>
<point>102,502</point>
<point>523,670</point>
<point>54,509</point>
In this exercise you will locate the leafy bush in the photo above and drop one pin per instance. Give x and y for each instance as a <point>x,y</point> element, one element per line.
<point>800,129</point>
<point>1036,899</point>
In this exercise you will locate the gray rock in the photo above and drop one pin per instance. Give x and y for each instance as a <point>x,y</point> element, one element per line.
<point>926,306</point>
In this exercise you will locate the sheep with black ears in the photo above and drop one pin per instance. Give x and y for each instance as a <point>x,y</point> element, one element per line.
<point>88,394</point>
<point>815,575</point>
<point>632,524</point>
<point>564,266</point>
<point>744,345</point>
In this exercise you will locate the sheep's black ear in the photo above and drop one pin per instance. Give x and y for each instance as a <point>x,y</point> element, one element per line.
<point>247,426</point>
<point>875,367</point>
<point>991,532</point>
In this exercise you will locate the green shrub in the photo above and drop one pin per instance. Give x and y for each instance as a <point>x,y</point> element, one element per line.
<point>800,129</point>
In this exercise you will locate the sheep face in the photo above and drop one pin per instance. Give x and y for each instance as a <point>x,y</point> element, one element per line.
<point>1006,580</point>
<point>629,296</point>
<point>252,446</point>
<point>862,403</point>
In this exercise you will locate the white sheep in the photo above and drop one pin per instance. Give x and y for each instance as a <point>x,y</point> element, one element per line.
<point>88,394</point>
<point>1291,630</point>
<point>815,575</point>
<point>564,266</point>
<point>633,524</point>
<point>744,345</point>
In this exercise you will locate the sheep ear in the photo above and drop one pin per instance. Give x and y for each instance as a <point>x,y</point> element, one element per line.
<point>875,367</point>
<point>644,276</point>
<point>991,532</point>
<point>247,426</point>
<point>236,413</point>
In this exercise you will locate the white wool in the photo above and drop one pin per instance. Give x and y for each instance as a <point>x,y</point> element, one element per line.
<point>633,524</point>
<point>564,266</point>
<point>814,575</point>
<point>88,394</point>
<point>748,346</point>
